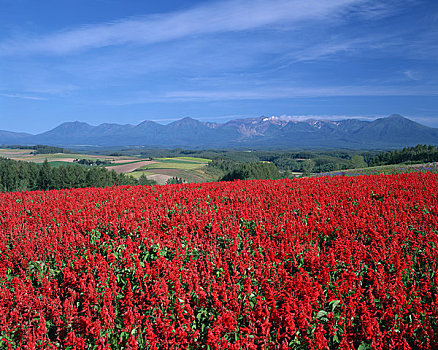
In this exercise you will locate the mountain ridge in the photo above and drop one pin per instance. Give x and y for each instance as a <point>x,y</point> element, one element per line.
<point>260,132</point>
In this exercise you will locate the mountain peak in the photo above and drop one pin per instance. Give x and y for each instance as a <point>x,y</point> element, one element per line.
<point>76,125</point>
<point>146,122</point>
<point>187,121</point>
<point>396,116</point>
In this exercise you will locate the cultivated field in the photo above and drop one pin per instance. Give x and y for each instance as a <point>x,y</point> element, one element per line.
<point>28,156</point>
<point>160,169</point>
<point>188,168</point>
<point>331,262</point>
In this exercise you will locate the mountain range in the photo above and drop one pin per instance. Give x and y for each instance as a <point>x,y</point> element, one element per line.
<point>261,132</point>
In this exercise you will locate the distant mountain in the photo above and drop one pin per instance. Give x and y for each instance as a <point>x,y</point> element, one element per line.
<point>12,138</point>
<point>262,132</point>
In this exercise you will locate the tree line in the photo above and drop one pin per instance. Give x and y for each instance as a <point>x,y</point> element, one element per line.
<point>417,154</point>
<point>253,170</point>
<point>40,149</point>
<point>229,170</point>
<point>27,176</point>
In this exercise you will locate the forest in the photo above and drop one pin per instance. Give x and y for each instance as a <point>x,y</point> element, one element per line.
<point>27,176</point>
<point>417,154</point>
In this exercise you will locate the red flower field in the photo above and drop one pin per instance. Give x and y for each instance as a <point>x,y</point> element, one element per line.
<point>340,262</point>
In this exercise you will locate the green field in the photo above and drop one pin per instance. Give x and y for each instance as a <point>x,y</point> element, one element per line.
<point>188,168</point>
<point>197,160</point>
<point>173,165</point>
<point>124,163</point>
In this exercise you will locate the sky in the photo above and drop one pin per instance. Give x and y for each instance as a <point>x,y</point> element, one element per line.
<point>127,61</point>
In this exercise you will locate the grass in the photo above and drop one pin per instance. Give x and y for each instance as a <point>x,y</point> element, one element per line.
<point>385,169</point>
<point>172,165</point>
<point>178,163</point>
<point>201,160</point>
<point>124,163</point>
<point>174,160</point>
<point>137,173</point>
<point>188,168</point>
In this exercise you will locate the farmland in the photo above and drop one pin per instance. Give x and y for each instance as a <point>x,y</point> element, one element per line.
<point>330,262</point>
<point>159,169</point>
<point>28,155</point>
<point>188,168</point>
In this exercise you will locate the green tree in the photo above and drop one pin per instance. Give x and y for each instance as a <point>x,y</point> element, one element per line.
<point>175,180</point>
<point>44,177</point>
<point>254,170</point>
<point>143,180</point>
<point>357,161</point>
<point>308,166</point>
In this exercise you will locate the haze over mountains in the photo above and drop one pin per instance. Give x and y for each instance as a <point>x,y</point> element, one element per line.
<point>262,132</point>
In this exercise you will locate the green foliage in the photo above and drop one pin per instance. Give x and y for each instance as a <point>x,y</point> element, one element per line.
<point>357,161</point>
<point>417,154</point>
<point>45,176</point>
<point>175,180</point>
<point>143,180</point>
<point>250,171</point>
<point>223,161</point>
<point>27,176</point>
<point>40,149</point>
<point>91,162</point>
<point>43,149</point>
<point>308,166</point>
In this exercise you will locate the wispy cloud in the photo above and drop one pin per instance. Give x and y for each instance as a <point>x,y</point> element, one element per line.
<point>288,92</point>
<point>24,97</point>
<point>218,17</point>
<point>299,118</point>
<point>411,75</point>
<point>269,93</point>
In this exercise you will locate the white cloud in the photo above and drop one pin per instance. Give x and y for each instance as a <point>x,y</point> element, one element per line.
<point>24,97</point>
<point>219,17</point>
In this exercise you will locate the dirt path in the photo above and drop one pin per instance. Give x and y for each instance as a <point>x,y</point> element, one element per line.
<point>161,179</point>
<point>127,168</point>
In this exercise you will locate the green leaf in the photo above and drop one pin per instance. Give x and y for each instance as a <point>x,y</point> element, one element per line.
<point>321,314</point>
<point>363,346</point>
<point>333,304</point>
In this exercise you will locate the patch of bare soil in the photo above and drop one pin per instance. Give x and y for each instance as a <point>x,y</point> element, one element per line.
<point>127,168</point>
<point>161,179</point>
<point>70,160</point>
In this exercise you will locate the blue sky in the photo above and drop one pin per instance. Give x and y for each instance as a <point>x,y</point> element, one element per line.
<point>127,61</point>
